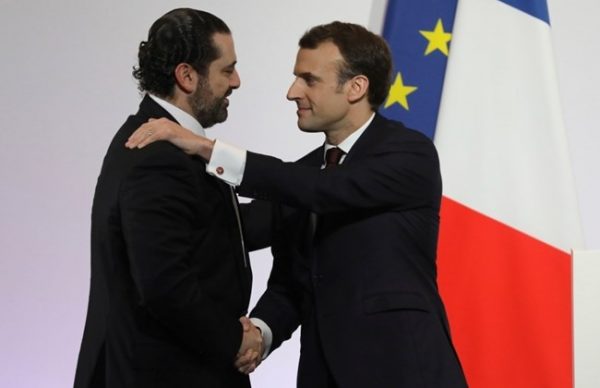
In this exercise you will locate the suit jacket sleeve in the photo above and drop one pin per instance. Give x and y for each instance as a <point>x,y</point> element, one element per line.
<point>279,306</point>
<point>399,171</point>
<point>257,217</point>
<point>158,202</point>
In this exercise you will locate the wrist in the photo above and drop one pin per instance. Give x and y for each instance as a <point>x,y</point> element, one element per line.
<point>206,149</point>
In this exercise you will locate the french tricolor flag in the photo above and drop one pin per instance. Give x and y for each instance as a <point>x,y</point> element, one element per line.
<point>509,218</point>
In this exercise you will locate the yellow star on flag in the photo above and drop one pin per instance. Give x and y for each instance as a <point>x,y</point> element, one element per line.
<point>399,92</point>
<point>438,39</point>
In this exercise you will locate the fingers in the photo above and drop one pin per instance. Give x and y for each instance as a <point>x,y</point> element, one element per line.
<point>247,370</point>
<point>246,359</point>
<point>141,137</point>
<point>153,130</point>
<point>145,139</point>
<point>248,362</point>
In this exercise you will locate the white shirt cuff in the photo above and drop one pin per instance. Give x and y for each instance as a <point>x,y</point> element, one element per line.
<point>227,163</point>
<point>267,335</point>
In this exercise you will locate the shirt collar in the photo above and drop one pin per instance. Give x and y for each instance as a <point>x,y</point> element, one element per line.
<point>348,142</point>
<point>184,119</point>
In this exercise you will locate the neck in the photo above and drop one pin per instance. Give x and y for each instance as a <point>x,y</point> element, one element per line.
<point>352,123</point>
<point>180,100</point>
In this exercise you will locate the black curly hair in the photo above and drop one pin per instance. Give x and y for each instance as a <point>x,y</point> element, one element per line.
<point>183,35</point>
<point>363,51</point>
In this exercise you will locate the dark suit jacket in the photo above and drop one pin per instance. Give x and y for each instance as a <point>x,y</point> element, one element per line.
<point>169,276</point>
<point>363,284</point>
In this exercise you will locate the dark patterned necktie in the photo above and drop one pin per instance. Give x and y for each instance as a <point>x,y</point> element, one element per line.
<point>333,157</point>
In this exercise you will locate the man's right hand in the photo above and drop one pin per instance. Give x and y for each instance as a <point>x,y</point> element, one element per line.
<point>250,354</point>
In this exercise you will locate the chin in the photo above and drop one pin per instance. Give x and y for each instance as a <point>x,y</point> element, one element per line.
<point>304,128</point>
<point>222,117</point>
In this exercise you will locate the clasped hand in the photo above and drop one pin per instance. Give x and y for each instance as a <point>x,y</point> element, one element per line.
<point>250,354</point>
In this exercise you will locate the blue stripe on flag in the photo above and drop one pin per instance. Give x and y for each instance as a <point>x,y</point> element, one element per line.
<point>412,28</point>
<point>535,8</point>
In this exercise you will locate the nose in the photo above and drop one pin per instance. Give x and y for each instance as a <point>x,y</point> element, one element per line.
<point>234,80</point>
<point>294,91</point>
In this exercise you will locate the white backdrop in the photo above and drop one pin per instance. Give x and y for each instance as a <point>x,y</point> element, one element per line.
<point>65,74</point>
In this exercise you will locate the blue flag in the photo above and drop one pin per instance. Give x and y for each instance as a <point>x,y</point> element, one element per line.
<point>419,34</point>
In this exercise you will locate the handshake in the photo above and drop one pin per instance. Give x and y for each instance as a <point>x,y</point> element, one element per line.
<point>251,350</point>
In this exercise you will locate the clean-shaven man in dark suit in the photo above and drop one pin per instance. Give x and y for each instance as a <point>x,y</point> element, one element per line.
<point>170,276</point>
<point>355,247</point>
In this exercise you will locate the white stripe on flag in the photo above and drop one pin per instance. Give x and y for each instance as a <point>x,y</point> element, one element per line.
<point>500,132</point>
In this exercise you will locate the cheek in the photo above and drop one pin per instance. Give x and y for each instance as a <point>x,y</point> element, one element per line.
<point>224,86</point>
<point>325,101</point>
<point>220,85</point>
<point>316,98</point>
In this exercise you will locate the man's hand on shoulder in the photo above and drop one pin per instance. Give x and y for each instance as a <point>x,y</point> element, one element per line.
<point>165,129</point>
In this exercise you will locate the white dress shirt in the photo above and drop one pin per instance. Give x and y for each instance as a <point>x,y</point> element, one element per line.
<point>184,119</point>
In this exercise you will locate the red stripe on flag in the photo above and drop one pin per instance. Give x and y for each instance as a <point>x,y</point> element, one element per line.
<point>508,298</point>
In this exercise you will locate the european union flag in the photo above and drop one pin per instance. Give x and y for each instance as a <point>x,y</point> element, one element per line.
<point>419,35</point>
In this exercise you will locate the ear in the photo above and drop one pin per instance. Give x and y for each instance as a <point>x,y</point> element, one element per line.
<point>358,88</point>
<point>186,77</point>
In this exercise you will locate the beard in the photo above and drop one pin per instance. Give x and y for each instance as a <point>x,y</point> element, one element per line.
<point>207,108</point>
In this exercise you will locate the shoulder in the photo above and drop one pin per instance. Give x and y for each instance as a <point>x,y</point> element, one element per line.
<point>397,129</point>
<point>156,161</point>
<point>160,151</point>
<point>384,135</point>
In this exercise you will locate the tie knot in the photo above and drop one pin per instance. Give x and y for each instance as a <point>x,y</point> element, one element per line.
<point>333,156</point>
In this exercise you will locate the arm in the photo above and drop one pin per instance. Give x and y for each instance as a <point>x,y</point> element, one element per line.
<point>400,174</point>
<point>257,217</point>
<point>401,171</point>
<point>279,306</point>
<point>279,309</point>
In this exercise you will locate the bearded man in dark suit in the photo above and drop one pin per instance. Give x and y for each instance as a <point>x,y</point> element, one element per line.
<point>170,276</point>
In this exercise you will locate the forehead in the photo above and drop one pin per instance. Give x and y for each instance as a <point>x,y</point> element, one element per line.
<point>224,43</point>
<point>324,57</point>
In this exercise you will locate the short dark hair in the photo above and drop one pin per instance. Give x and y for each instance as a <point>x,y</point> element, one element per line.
<point>364,53</point>
<point>183,35</point>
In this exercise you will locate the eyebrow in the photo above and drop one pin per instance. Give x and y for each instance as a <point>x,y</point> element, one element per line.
<point>308,75</point>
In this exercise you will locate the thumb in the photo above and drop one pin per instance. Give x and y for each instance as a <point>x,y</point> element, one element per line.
<point>246,323</point>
